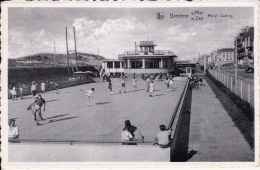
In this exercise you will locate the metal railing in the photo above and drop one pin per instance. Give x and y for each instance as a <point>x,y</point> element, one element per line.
<point>242,88</point>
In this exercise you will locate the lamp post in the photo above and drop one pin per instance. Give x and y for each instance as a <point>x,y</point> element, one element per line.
<point>236,65</point>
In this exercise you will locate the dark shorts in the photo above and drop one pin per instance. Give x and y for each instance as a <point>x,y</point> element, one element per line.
<point>34,92</point>
<point>123,84</point>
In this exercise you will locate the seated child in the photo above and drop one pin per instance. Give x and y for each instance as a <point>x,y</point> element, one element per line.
<point>163,137</point>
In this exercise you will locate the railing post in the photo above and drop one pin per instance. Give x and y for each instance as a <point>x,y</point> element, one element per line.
<point>248,93</point>
<point>241,89</point>
<point>231,84</point>
<point>224,80</point>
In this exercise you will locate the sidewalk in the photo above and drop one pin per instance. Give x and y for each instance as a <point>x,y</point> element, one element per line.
<point>213,133</point>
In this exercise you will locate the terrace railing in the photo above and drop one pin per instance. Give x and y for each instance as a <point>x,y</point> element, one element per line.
<point>243,89</point>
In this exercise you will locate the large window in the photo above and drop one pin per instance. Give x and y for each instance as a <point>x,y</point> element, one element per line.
<point>166,63</point>
<point>109,64</point>
<point>117,64</point>
<point>152,63</point>
<point>136,63</point>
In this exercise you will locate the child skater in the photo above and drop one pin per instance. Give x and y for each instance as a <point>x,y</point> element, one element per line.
<point>88,94</point>
<point>123,84</point>
<point>151,89</point>
<point>110,86</point>
<point>134,83</point>
<point>171,84</point>
<point>167,82</point>
<point>14,93</point>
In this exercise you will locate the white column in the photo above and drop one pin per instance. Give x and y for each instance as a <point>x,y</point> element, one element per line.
<point>120,65</point>
<point>113,64</point>
<point>143,63</point>
<point>161,63</point>
<point>128,63</point>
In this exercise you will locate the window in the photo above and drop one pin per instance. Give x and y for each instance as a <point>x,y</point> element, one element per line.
<point>109,64</point>
<point>136,63</point>
<point>152,63</point>
<point>117,64</point>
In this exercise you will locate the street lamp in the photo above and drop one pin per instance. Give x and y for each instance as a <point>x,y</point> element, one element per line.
<point>236,65</point>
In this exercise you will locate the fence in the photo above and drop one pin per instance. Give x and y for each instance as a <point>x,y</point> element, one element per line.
<point>242,88</point>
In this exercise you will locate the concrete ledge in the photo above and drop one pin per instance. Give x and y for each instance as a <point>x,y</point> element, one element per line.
<point>88,153</point>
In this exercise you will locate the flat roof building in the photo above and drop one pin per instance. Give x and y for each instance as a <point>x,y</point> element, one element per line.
<point>144,60</point>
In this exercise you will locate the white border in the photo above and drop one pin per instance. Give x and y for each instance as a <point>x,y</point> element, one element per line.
<point>4,66</point>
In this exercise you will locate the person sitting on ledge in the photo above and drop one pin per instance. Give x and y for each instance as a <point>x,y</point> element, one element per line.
<point>163,137</point>
<point>13,132</point>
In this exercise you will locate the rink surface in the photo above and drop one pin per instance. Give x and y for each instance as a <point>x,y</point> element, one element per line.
<point>69,118</point>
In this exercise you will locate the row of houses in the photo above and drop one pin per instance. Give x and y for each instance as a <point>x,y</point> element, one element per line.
<point>243,46</point>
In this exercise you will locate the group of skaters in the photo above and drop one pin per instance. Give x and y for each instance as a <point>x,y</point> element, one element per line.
<point>128,135</point>
<point>148,79</point>
<point>22,88</point>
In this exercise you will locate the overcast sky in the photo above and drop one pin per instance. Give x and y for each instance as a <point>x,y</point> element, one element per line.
<point>115,30</point>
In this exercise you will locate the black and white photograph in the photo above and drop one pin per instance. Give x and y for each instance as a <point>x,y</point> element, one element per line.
<point>145,84</point>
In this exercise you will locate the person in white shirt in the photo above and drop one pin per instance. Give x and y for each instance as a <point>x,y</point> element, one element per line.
<point>43,87</point>
<point>171,84</point>
<point>134,83</point>
<point>126,136</point>
<point>151,89</point>
<point>88,94</point>
<point>163,137</point>
<point>13,131</point>
<point>33,88</point>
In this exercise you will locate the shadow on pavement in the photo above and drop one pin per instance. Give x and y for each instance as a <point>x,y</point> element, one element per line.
<point>158,95</point>
<point>57,116</point>
<point>56,120</point>
<point>52,100</point>
<point>99,103</point>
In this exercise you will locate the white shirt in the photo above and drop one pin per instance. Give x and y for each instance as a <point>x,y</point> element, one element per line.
<point>163,137</point>
<point>13,132</point>
<point>126,136</point>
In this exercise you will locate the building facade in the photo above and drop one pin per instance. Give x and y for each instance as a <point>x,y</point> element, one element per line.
<point>144,60</point>
<point>225,56</point>
<point>245,47</point>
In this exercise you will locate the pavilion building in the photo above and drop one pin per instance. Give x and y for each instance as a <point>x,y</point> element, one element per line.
<point>144,60</point>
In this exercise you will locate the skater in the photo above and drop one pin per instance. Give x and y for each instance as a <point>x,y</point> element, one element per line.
<point>14,94</point>
<point>148,83</point>
<point>43,87</point>
<point>21,91</point>
<point>151,89</point>
<point>123,84</point>
<point>110,86</point>
<point>134,83</point>
<point>171,84</point>
<point>13,131</point>
<point>33,88</point>
<point>163,137</point>
<point>57,87</point>
<point>167,82</point>
<point>36,106</point>
<point>88,94</point>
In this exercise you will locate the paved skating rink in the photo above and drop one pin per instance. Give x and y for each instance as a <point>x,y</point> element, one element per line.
<point>67,116</point>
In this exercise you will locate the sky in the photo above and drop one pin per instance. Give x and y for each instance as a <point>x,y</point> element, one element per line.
<point>112,31</point>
